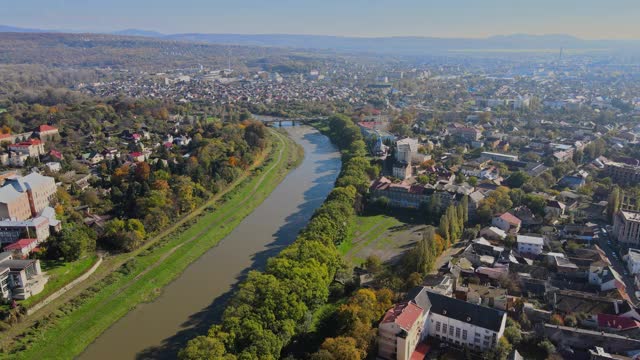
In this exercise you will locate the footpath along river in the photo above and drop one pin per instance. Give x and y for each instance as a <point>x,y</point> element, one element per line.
<point>189,305</point>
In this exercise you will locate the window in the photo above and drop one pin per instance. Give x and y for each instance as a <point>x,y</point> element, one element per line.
<point>438,326</point>
<point>464,334</point>
<point>444,328</point>
<point>450,330</point>
<point>457,332</point>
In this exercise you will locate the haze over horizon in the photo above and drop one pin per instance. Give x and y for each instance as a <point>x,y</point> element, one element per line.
<point>587,19</point>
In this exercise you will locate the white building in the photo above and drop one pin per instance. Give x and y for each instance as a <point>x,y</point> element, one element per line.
<point>407,151</point>
<point>626,227</point>
<point>632,258</point>
<point>428,313</point>
<point>462,323</point>
<point>605,277</point>
<point>530,244</point>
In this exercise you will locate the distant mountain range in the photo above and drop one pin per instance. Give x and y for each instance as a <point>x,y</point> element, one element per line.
<point>405,45</point>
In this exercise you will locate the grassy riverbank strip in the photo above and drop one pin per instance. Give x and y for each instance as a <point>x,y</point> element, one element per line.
<point>65,332</point>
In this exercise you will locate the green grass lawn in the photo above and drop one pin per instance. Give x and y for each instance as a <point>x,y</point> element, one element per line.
<point>367,229</point>
<point>60,274</point>
<point>153,268</point>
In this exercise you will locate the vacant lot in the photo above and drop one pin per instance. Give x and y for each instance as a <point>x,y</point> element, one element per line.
<point>382,235</point>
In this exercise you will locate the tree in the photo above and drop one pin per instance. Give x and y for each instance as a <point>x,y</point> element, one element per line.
<point>513,334</point>
<point>613,203</point>
<point>339,348</point>
<point>517,179</point>
<point>73,241</point>
<point>556,319</point>
<point>204,348</point>
<point>547,347</point>
<point>373,264</point>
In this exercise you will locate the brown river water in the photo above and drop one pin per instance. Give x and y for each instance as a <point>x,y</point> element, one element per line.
<point>194,301</point>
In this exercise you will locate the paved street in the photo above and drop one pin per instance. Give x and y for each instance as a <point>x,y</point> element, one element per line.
<point>612,251</point>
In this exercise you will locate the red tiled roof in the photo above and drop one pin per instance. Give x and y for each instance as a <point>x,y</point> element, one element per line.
<point>421,352</point>
<point>4,136</point>
<point>45,128</point>
<point>510,218</point>
<point>56,154</point>
<point>136,154</point>
<point>404,315</point>
<point>367,124</point>
<point>617,322</point>
<point>20,244</point>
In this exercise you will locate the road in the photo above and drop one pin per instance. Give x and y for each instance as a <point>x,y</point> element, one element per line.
<point>613,253</point>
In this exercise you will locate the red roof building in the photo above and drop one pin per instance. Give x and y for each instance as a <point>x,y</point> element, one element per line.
<point>47,129</point>
<point>400,331</point>
<point>617,322</point>
<point>22,247</point>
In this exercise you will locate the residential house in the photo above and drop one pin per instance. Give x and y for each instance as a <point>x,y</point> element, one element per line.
<point>632,258</point>
<point>530,244</point>
<point>554,208</point>
<point>31,147</point>
<point>493,233</point>
<point>572,181</point>
<point>507,222</point>
<point>47,131</point>
<point>605,277</point>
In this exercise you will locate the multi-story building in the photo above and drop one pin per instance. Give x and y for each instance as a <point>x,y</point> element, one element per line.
<point>20,279</point>
<point>530,244</point>
<point>429,313</point>
<point>31,147</point>
<point>465,133</point>
<point>622,173</point>
<point>626,227</point>
<point>400,331</point>
<point>40,190</point>
<point>14,205</point>
<point>407,151</point>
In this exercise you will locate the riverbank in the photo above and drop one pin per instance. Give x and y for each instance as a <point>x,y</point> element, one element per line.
<point>65,332</point>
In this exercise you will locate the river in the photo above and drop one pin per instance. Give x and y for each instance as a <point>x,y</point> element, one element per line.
<point>189,305</point>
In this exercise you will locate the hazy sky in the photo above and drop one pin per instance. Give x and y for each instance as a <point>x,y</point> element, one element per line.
<point>593,19</point>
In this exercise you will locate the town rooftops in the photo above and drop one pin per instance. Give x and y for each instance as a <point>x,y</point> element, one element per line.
<point>404,315</point>
<point>510,218</point>
<point>534,240</point>
<point>460,310</point>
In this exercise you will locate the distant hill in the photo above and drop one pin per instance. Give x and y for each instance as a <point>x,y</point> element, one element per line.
<point>403,45</point>
<point>138,32</point>
<point>6,28</point>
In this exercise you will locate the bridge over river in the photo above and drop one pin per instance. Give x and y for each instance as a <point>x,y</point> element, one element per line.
<point>268,120</point>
